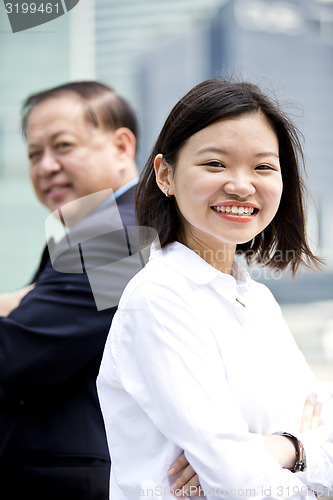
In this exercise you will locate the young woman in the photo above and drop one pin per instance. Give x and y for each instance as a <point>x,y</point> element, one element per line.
<point>198,357</point>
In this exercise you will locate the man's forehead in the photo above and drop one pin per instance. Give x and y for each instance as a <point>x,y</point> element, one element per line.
<point>58,105</point>
<point>57,115</point>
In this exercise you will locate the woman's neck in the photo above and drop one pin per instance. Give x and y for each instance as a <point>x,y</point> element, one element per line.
<point>220,256</point>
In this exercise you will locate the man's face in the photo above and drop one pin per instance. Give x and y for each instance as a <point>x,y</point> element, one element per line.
<point>69,157</point>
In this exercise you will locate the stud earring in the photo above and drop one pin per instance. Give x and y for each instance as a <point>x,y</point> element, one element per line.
<point>165,191</point>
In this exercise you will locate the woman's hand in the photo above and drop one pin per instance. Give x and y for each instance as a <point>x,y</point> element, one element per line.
<point>187,483</point>
<point>281,447</point>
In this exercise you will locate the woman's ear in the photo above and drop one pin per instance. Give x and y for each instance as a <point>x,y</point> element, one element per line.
<point>163,173</point>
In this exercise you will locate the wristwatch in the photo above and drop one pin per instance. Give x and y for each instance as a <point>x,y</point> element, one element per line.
<point>300,464</point>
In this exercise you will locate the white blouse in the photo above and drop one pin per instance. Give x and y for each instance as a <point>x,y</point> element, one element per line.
<point>202,361</point>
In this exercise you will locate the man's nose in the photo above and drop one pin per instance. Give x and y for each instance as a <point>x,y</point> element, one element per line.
<point>48,163</point>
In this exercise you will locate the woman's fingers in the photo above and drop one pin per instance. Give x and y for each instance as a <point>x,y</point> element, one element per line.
<point>178,465</point>
<point>316,420</point>
<point>308,409</point>
<point>311,413</point>
<point>187,483</point>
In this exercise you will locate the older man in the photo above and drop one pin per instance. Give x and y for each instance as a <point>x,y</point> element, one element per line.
<point>81,140</point>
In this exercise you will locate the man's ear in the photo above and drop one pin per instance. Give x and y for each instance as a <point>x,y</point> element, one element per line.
<point>125,142</point>
<point>163,173</point>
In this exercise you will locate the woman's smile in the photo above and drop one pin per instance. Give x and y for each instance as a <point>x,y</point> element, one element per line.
<point>236,212</point>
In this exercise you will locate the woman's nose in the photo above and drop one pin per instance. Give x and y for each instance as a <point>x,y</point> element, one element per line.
<point>240,185</point>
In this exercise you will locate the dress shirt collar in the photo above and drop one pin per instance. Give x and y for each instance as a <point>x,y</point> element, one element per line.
<point>118,193</point>
<point>196,269</point>
<point>125,187</point>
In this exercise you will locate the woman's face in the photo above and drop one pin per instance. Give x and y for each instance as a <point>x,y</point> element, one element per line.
<point>227,182</point>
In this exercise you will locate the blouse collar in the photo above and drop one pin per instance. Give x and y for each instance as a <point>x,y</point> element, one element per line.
<point>192,266</point>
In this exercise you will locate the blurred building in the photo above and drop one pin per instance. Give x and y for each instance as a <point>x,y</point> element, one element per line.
<point>126,28</point>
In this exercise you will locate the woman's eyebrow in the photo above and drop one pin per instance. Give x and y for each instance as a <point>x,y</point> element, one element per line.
<point>267,153</point>
<point>212,149</point>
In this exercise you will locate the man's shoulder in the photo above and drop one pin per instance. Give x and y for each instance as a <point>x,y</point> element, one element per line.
<point>126,206</point>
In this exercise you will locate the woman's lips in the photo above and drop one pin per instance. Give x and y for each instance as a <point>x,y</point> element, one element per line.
<point>236,212</point>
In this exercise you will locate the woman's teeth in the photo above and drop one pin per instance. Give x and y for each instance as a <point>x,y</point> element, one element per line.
<point>233,209</point>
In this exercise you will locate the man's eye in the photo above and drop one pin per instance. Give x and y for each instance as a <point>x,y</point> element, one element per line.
<point>216,164</point>
<point>63,145</point>
<point>33,155</point>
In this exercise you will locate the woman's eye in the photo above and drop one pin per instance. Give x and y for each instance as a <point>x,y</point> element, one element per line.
<point>264,167</point>
<point>215,164</point>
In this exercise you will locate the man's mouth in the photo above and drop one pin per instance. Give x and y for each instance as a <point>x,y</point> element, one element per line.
<point>57,188</point>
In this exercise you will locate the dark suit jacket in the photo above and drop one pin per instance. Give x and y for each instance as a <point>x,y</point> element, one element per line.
<point>52,438</point>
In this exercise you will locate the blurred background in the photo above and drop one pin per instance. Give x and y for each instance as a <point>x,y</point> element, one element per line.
<point>152,52</point>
